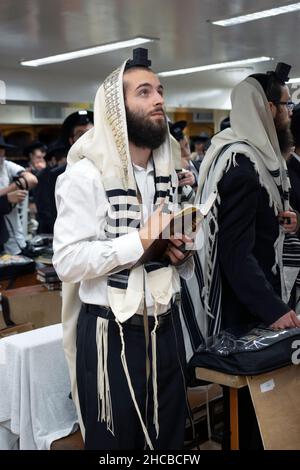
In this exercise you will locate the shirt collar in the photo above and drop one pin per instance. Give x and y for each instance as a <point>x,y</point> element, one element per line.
<point>149,169</point>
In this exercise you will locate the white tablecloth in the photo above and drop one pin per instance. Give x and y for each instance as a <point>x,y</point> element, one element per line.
<point>35,408</point>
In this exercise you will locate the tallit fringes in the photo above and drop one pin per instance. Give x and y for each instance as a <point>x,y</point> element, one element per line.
<point>125,367</point>
<point>154,371</point>
<point>103,390</point>
<point>276,246</point>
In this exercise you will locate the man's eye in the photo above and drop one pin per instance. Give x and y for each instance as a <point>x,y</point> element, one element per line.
<point>144,92</point>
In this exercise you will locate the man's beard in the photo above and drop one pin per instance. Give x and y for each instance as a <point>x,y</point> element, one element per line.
<point>143,132</point>
<point>285,138</point>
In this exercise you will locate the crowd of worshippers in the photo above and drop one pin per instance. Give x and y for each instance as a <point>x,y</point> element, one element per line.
<point>42,164</point>
<point>28,191</point>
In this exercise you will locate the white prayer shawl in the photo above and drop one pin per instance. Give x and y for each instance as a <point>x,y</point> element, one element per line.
<point>106,145</point>
<point>252,134</point>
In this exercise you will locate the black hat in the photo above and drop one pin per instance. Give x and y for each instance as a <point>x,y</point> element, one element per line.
<point>177,128</point>
<point>140,59</point>
<point>202,137</point>
<point>280,75</point>
<point>4,145</point>
<point>34,146</point>
<point>79,118</point>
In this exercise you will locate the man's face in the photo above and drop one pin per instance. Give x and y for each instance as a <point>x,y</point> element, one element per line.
<point>282,118</point>
<point>2,153</point>
<point>78,131</point>
<point>282,121</point>
<point>37,159</point>
<point>199,147</point>
<point>144,102</point>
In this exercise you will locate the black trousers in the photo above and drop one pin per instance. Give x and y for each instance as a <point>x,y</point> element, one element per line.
<point>171,365</point>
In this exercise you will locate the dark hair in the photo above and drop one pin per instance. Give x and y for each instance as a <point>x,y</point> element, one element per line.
<point>271,86</point>
<point>225,123</point>
<point>272,82</point>
<point>34,146</point>
<point>295,125</point>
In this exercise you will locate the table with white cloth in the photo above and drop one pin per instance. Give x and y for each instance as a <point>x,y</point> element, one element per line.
<point>35,408</point>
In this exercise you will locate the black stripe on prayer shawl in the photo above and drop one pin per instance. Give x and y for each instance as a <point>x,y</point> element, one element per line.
<point>164,194</point>
<point>286,195</point>
<point>290,262</point>
<point>126,207</point>
<point>111,235</point>
<point>187,196</point>
<point>189,317</point>
<point>162,179</point>
<point>117,284</point>
<point>119,280</point>
<point>291,254</point>
<point>275,173</point>
<point>120,192</point>
<point>152,266</point>
<point>121,274</point>
<point>283,194</point>
<point>190,310</point>
<point>213,323</point>
<point>122,222</point>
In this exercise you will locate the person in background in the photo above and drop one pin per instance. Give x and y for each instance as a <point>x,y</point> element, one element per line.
<point>225,123</point>
<point>35,152</point>
<point>14,177</point>
<point>7,203</point>
<point>56,158</point>
<point>73,127</point>
<point>189,173</point>
<point>293,163</point>
<point>250,247</point>
<point>199,144</point>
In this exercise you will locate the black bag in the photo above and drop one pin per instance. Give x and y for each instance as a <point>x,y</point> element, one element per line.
<point>12,266</point>
<point>239,352</point>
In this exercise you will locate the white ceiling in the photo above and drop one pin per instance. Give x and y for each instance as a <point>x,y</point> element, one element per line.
<point>32,29</point>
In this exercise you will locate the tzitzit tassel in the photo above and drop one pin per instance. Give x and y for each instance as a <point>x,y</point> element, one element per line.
<point>124,363</point>
<point>154,371</point>
<point>104,398</point>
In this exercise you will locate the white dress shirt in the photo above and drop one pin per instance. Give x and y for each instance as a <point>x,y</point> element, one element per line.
<point>82,253</point>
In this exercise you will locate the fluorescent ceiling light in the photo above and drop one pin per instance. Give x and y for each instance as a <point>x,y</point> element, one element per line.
<point>203,68</point>
<point>87,52</point>
<point>293,80</point>
<point>258,15</point>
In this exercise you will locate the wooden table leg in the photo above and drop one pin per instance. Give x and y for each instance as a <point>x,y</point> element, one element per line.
<point>234,418</point>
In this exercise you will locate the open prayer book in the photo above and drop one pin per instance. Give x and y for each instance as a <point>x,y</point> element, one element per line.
<point>187,221</point>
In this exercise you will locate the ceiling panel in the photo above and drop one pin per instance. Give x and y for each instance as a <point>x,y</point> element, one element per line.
<point>32,29</point>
